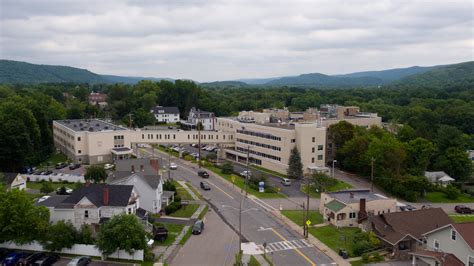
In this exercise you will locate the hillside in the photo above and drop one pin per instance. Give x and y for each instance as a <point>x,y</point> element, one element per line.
<point>390,74</point>
<point>130,80</point>
<point>318,79</point>
<point>13,72</point>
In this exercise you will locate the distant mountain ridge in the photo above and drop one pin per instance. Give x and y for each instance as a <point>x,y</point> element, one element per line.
<point>15,72</point>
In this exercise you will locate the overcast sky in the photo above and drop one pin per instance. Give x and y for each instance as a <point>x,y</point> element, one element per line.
<point>222,40</point>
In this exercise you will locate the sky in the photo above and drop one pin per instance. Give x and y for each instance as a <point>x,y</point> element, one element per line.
<point>207,40</point>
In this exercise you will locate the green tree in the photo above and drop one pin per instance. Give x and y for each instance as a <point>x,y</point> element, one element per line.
<point>295,166</point>
<point>419,152</point>
<point>122,232</point>
<point>95,173</point>
<point>20,220</point>
<point>46,188</point>
<point>389,155</point>
<point>211,156</point>
<point>452,192</point>
<point>60,235</point>
<point>341,133</point>
<point>85,235</point>
<point>227,168</point>
<point>455,163</point>
<point>406,133</point>
<point>323,181</point>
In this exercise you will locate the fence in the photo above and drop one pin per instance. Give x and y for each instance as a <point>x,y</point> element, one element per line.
<point>56,178</point>
<point>78,249</point>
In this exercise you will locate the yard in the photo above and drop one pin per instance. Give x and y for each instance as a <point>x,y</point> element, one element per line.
<point>52,161</point>
<point>239,182</point>
<point>182,192</point>
<point>440,197</point>
<point>173,231</point>
<point>297,216</point>
<point>186,211</point>
<point>54,185</point>
<point>340,185</point>
<point>462,218</point>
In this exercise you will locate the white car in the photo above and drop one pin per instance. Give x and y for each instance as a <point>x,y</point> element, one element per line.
<point>245,173</point>
<point>108,166</point>
<point>173,166</point>
<point>286,182</point>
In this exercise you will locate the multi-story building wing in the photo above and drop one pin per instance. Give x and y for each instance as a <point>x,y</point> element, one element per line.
<point>166,114</point>
<point>207,119</point>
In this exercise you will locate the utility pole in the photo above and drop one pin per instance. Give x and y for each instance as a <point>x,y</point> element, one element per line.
<point>307,205</point>
<point>169,165</point>
<point>198,126</point>
<point>304,220</point>
<point>130,120</point>
<point>247,166</point>
<point>333,169</point>
<point>372,175</point>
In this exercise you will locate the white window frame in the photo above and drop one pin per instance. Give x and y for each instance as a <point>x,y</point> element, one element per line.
<point>435,241</point>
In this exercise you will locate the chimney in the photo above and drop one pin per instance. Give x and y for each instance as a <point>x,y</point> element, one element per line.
<point>154,164</point>
<point>351,195</point>
<point>362,211</point>
<point>362,207</point>
<point>106,195</point>
<point>142,168</point>
<point>133,168</point>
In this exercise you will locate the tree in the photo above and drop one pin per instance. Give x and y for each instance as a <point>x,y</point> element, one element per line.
<point>227,168</point>
<point>20,220</point>
<point>211,156</point>
<point>60,235</point>
<point>95,173</point>
<point>419,152</point>
<point>85,235</point>
<point>295,167</point>
<point>452,192</point>
<point>389,153</point>
<point>341,133</point>
<point>122,232</point>
<point>46,188</point>
<point>455,163</point>
<point>323,181</point>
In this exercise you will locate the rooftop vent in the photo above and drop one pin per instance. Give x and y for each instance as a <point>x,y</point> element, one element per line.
<point>91,129</point>
<point>74,125</point>
<point>106,127</point>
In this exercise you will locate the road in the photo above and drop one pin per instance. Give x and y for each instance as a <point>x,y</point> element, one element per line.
<point>206,249</point>
<point>258,224</point>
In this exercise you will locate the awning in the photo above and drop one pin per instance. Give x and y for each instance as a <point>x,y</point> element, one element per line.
<point>122,151</point>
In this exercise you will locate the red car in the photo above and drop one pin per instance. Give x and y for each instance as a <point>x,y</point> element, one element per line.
<point>462,209</point>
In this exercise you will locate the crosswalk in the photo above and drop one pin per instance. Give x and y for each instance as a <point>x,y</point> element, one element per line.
<point>286,245</point>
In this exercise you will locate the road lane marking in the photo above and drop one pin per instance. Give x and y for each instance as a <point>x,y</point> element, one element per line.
<point>297,250</point>
<point>262,203</point>
<point>220,189</point>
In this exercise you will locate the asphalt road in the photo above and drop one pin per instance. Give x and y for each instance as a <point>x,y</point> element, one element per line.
<point>216,245</point>
<point>258,224</point>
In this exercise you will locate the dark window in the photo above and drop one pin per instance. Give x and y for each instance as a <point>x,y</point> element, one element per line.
<point>86,214</point>
<point>320,147</point>
<point>314,139</point>
<point>78,138</point>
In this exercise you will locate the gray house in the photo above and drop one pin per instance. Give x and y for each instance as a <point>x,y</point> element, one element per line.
<point>455,239</point>
<point>143,175</point>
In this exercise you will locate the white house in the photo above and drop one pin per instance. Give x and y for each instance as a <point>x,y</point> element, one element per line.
<point>14,180</point>
<point>207,119</point>
<point>438,177</point>
<point>92,204</point>
<point>143,175</point>
<point>166,114</point>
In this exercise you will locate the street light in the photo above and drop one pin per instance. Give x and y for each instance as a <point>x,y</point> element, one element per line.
<point>333,173</point>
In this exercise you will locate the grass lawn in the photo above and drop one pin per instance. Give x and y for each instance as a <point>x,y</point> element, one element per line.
<point>193,189</point>
<point>239,182</point>
<point>253,261</point>
<point>173,231</point>
<point>268,171</point>
<point>52,160</point>
<point>340,185</point>
<point>357,263</point>
<point>462,218</point>
<point>440,197</point>
<point>182,192</point>
<point>297,216</point>
<point>55,185</point>
<point>334,237</point>
<point>186,211</point>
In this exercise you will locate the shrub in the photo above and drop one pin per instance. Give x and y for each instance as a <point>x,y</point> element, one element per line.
<point>172,207</point>
<point>451,192</point>
<point>169,186</point>
<point>177,199</point>
<point>46,188</point>
<point>360,247</point>
<point>227,168</point>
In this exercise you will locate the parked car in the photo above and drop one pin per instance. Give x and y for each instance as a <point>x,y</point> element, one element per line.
<point>198,227</point>
<point>203,174</point>
<point>160,233</point>
<point>43,198</point>
<point>245,173</point>
<point>205,186</point>
<point>80,261</point>
<point>286,182</point>
<point>47,260</point>
<point>61,165</point>
<point>74,166</point>
<point>63,191</point>
<point>463,209</point>
<point>3,253</point>
<point>407,208</point>
<point>12,258</point>
<point>27,261</point>
<point>173,166</point>
<point>108,166</point>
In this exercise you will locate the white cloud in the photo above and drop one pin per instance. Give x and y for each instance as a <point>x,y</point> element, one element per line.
<point>219,40</point>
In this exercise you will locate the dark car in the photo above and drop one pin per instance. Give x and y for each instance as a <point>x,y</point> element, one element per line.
<point>4,253</point>
<point>30,260</point>
<point>47,260</point>
<point>74,166</point>
<point>203,174</point>
<point>12,258</point>
<point>61,165</point>
<point>198,227</point>
<point>205,186</point>
<point>462,209</point>
<point>48,172</point>
<point>407,208</point>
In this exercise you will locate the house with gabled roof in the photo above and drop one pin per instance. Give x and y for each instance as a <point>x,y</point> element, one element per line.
<point>352,207</point>
<point>403,232</point>
<point>13,180</point>
<point>144,175</point>
<point>92,204</point>
<point>445,242</point>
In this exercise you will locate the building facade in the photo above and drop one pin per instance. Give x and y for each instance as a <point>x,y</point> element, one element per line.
<point>207,119</point>
<point>166,114</point>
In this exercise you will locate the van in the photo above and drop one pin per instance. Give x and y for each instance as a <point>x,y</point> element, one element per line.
<point>198,227</point>
<point>286,182</point>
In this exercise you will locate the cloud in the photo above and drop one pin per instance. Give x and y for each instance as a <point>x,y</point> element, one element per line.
<point>220,40</point>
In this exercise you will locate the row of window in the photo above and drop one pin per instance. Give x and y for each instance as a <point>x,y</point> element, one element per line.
<point>194,136</point>
<point>118,137</point>
<point>261,154</point>
<point>258,134</point>
<point>320,157</point>
<point>259,144</point>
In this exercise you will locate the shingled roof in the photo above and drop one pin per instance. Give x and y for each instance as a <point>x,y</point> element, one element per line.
<point>396,226</point>
<point>467,232</point>
<point>119,195</point>
<point>444,259</point>
<point>146,169</point>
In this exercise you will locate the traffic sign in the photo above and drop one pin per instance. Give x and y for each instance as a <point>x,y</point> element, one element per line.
<point>308,222</point>
<point>233,179</point>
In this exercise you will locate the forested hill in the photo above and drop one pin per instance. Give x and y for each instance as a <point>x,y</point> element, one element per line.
<point>14,72</point>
